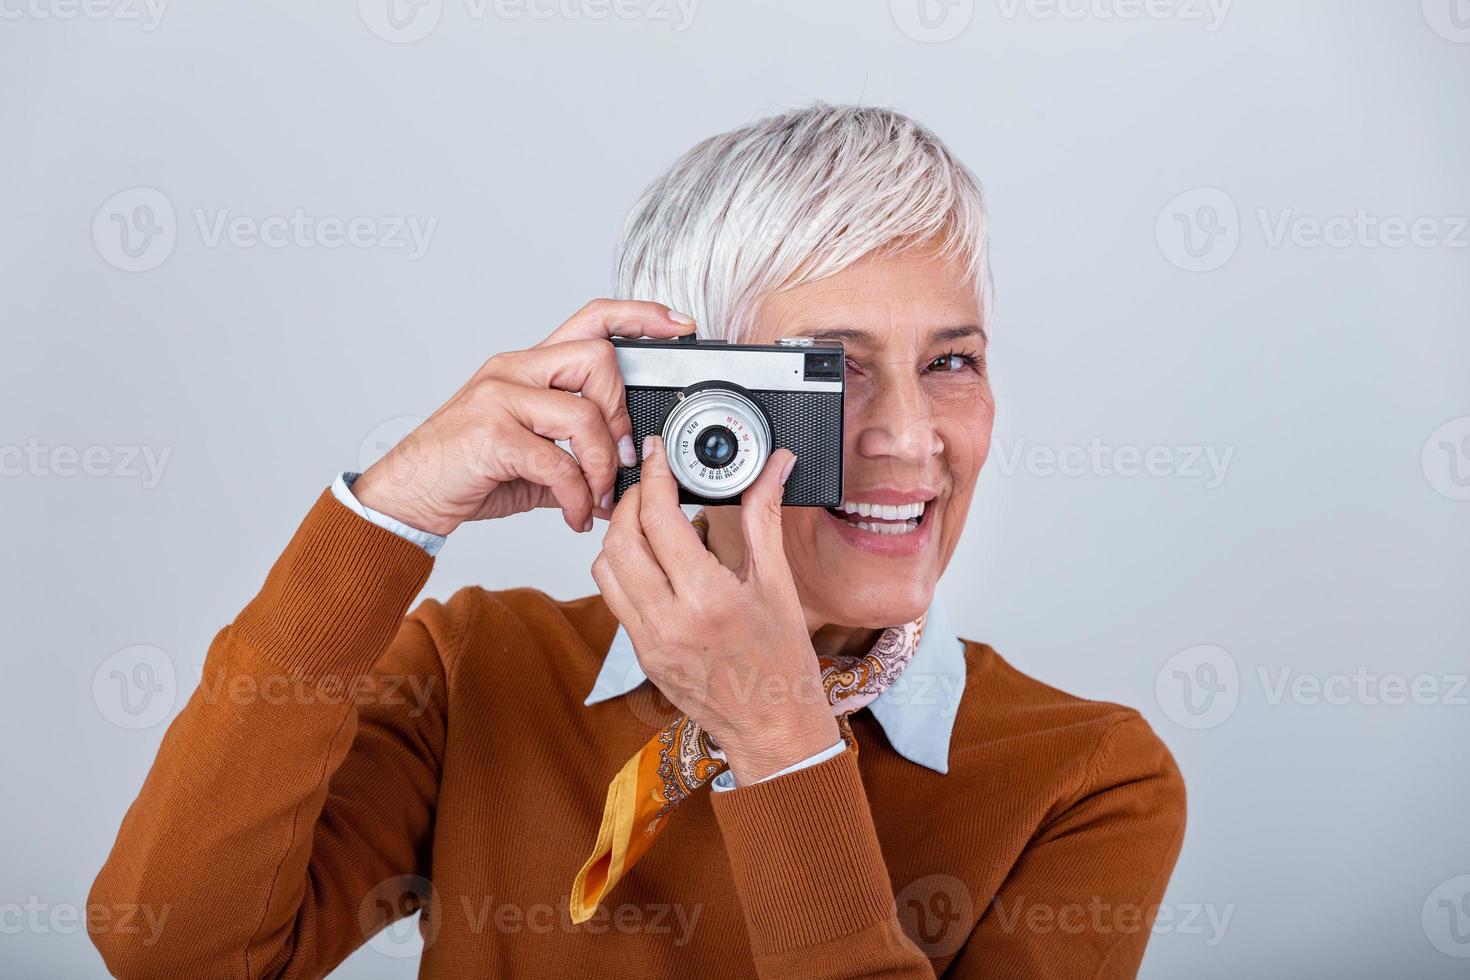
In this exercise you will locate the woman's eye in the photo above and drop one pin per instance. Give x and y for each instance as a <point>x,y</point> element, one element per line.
<point>953,361</point>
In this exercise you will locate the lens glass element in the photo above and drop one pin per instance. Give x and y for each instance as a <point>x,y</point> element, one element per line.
<point>715,446</point>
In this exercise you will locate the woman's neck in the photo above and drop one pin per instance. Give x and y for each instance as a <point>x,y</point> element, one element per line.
<point>838,641</point>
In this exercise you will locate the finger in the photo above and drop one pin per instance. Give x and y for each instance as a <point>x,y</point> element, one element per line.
<point>589,368</point>
<point>619,603</point>
<point>630,555</point>
<point>673,538</point>
<point>559,415</point>
<point>604,318</point>
<point>760,514</point>
<point>515,497</point>
<point>522,454</point>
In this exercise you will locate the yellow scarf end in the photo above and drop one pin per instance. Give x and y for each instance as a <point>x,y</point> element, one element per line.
<point>618,847</point>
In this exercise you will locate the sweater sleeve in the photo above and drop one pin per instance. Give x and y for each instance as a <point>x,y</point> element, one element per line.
<point>817,903</point>
<point>288,813</point>
<point>1081,900</point>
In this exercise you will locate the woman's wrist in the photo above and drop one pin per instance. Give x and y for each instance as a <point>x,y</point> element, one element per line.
<point>776,748</point>
<point>375,489</point>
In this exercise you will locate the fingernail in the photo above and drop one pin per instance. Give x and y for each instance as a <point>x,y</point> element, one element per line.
<point>588,526</point>
<point>647,447</point>
<point>684,319</point>
<point>786,470</point>
<point>607,500</point>
<point>627,455</point>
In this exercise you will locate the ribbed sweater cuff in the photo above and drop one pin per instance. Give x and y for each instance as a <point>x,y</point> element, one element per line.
<point>335,598</point>
<point>805,856</point>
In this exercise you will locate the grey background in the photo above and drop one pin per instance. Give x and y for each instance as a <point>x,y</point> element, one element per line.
<point>1328,833</point>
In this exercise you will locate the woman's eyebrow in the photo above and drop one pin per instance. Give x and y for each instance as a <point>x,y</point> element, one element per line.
<point>842,335</point>
<point>862,338</point>
<point>959,333</point>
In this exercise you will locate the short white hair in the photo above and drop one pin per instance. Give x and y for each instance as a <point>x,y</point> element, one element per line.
<point>793,198</point>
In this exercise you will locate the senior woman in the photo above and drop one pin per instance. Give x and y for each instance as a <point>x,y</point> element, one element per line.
<point>887,799</point>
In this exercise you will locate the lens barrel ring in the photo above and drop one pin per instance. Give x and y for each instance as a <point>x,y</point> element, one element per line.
<point>715,407</point>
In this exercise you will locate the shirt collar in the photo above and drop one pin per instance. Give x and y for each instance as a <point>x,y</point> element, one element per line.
<point>917,712</point>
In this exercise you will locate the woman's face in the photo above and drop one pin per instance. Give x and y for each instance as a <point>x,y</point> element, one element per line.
<point>919,414</point>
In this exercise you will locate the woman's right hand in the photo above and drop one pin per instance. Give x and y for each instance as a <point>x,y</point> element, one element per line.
<point>491,450</point>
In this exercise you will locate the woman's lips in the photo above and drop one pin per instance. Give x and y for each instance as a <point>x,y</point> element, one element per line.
<point>897,529</point>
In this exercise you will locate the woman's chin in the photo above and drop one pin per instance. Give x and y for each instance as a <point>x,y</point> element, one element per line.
<point>867,599</point>
<point>852,576</point>
<point>882,610</point>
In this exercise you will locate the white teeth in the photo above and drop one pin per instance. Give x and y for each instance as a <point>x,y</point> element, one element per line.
<point>905,528</point>
<point>884,512</point>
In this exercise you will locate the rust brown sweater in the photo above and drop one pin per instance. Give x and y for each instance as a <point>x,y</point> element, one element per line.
<point>337,758</point>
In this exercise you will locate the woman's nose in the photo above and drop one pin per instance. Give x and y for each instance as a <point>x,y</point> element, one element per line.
<point>898,425</point>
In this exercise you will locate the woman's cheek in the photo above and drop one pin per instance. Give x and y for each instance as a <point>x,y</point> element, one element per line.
<point>856,393</point>
<point>965,432</point>
<point>981,426</point>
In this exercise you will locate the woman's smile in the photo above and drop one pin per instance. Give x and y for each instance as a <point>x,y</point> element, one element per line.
<point>895,523</point>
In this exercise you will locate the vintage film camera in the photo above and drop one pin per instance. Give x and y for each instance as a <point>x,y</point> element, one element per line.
<point>723,408</point>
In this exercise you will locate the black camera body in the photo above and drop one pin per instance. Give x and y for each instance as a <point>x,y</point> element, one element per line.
<point>723,408</point>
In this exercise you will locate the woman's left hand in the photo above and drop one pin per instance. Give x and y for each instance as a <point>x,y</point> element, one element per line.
<point>729,648</point>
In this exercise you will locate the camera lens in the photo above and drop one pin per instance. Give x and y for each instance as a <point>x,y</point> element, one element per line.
<point>715,447</point>
<point>717,441</point>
